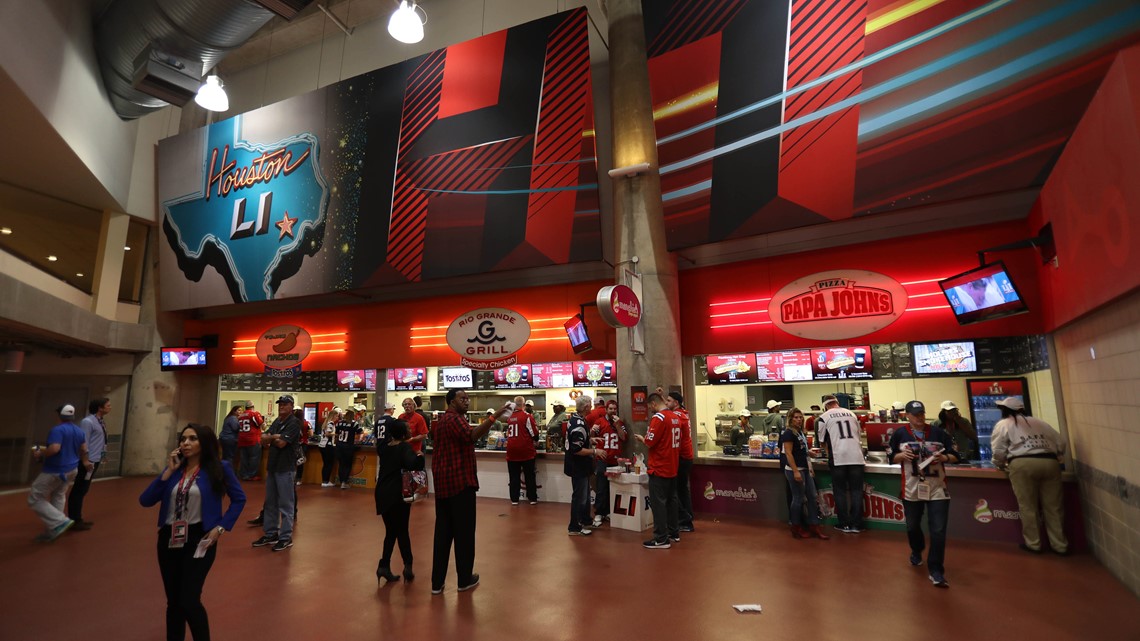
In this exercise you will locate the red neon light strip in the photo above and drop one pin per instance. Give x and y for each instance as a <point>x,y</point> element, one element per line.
<point>741,325</point>
<point>755,311</point>
<point>922,309</point>
<point>735,302</point>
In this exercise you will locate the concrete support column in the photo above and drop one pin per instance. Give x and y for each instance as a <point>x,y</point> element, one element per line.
<point>639,225</point>
<point>109,264</point>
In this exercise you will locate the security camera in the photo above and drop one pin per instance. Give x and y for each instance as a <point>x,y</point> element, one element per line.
<point>630,171</point>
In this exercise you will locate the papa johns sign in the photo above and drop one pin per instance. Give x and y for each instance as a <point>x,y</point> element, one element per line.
<point>837,304</point>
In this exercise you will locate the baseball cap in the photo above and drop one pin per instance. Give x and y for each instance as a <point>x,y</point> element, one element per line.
<point>490,410</point>
<point>249,404</point>
<point>337,410</point>
<point>830,399</point>
<point>676,396</point>
<point>745,413</point>
<point>67,410</point>
<point>599,401</point>
<point>389,405</point>
<point>285,398</point>
<point>529,403</point>
<point>898,405</point>
<point>949,405</point>
<point>558,404</point>
<point>773,403</point>
<point>915,407</point>
<point>1012,403</point>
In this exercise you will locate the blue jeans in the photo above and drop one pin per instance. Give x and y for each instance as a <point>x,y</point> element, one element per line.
<point>805,490</point>
<point>250,461</point>
<point>937,514</point>
<point>579,503</point>
<point>601,489</point>
<point>229,450</point>
<point>279,504</point>
<point>847,484</point>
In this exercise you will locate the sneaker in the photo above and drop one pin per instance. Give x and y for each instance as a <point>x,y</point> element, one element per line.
<point>474,582</point>
<point>598,520</point>
<point>59,529</point>
<point>344,486</point>
<point>327,484</point>
<point>437,590</point>
<point>654,544</point>
<point>514,502</point>
<point>1025,548</point>
<point>534,502</point>
<point>264,541</point>
<point>582,532</point>
<point>853,529</point>
<point>676,538</point>
<point>81,526</point>
<point>283,544</point>
<point>916,559</point>
<point>843,528</point>
<point>686,528</point>
<point>298,483</point>
<point>258,521</point>
<point>938,580</point>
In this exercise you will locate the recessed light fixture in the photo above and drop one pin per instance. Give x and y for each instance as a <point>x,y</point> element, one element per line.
<point>52,258</point>
<point>127,248</point>
<point>5,230</point>
<point>79,274</point>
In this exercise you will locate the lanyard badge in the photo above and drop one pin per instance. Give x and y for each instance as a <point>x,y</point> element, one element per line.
<point>179,529</point>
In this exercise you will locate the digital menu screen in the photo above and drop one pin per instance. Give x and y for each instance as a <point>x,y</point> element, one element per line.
<point>552,375</point>
<point>514,377</point>
<point>725,369</point>
<point>407,379</point>
<point>777,367</point>
<point>355,380</point>
<point>595,373</point>
<point>836,363</point>
<point>945,358</point>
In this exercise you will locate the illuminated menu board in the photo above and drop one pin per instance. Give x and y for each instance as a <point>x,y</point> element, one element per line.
<point>407,379</point>
<point>553,375</point>
<point>595,373</point>
<point>834,363</point>
<point>355,380</point>
<point>725,369</point>
<point>778,367</point>
<point>514,377</point>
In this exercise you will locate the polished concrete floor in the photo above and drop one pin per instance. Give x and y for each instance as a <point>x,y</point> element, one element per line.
<point>538,583</point>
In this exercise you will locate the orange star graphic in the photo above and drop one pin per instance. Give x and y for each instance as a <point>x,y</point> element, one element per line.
<point>286,226</point>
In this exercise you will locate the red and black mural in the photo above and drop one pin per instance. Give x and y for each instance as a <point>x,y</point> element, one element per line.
<point>775,115</point>
<point>474,158</point>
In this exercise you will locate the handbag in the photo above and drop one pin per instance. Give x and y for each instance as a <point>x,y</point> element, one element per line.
<point>414,485</point>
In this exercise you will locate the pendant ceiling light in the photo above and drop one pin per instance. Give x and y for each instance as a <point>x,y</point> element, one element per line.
<point>212,96</point>
<point>405,24</point>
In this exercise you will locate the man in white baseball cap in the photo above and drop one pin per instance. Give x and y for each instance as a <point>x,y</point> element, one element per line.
<point>773,422</point>
<point>66,450</point>
<point>742,431</point>
<point>960,429</point>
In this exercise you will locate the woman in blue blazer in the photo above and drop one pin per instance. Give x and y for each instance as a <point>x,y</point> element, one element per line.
<point>190,490</point>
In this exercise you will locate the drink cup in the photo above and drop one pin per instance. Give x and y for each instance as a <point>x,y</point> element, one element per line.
<point>860,357</point>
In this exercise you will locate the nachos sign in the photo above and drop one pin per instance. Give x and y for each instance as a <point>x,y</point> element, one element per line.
<point>838,304</point>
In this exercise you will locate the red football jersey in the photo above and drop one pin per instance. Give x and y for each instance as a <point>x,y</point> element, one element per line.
<point>249,428</point>
<point>593,416</point>
<point>611,439</point>
<point>686,434</point>
<point>664,442</point>
<point>521,432</point>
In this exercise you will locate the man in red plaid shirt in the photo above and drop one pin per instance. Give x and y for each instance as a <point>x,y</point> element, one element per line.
<point>455,480</point>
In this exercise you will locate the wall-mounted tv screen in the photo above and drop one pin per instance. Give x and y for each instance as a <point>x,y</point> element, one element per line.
<point>945,358</point>
<point>176,358</point>
<point>576,332</point>
<point>983,293</point>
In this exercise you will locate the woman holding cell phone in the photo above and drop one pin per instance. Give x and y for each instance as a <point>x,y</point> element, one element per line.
<point>190,521</point>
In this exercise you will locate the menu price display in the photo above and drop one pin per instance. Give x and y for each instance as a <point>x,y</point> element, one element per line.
<point>553,375</point>
<point>407,379</point>
<point>777,367</point>
<point>725,369</point>
<point>513,377</point>
<point>353,380</point>
<point>834,363</point>
<point>594,373</point>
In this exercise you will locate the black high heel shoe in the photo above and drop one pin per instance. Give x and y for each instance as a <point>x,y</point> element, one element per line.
<point>408,574</point>
<point>384,572</point>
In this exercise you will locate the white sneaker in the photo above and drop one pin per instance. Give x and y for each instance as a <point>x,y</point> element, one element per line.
<point>598,521</point>
<point>326,484</point>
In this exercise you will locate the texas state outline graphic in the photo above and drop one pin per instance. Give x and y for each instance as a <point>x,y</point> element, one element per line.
<point>209,227</point>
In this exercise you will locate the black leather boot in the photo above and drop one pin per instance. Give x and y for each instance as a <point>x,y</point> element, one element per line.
<point>383,571</point>
<point>408,574</point>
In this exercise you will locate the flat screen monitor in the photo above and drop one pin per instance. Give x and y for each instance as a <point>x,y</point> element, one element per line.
<point>983,293</point>
<point>838,363</point>
<point>945,358</point>
<point>576,332</point>
<point>778,367</point>
<point>725,369</point>
<point>179,358</point>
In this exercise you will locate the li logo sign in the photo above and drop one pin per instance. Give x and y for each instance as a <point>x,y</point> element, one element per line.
<point>260,210</point>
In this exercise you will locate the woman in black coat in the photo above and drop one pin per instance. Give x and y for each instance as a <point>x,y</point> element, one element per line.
<point>394,458</point>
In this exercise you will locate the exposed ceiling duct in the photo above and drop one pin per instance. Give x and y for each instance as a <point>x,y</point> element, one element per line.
<point>180,38</point>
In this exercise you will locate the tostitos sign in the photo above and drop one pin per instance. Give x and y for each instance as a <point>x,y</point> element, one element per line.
<point>837,304</point>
